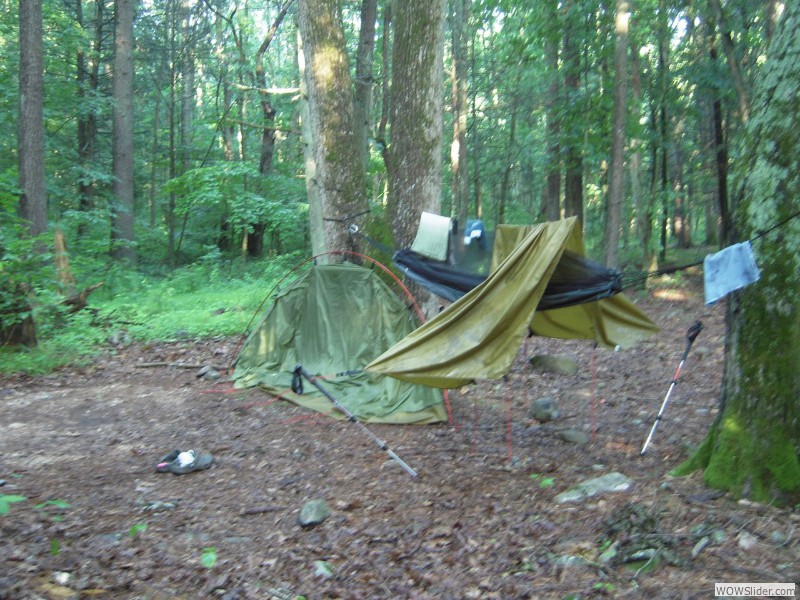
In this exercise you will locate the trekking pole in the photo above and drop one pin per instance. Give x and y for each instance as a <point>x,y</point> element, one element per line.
<point>691,335</point>
<point>297,386</point>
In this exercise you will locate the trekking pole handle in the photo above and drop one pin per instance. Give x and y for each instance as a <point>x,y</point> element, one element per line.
<point>694,331</point>
<point>691,336</point>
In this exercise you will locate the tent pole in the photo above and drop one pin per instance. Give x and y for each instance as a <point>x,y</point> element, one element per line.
<point>299,370</point>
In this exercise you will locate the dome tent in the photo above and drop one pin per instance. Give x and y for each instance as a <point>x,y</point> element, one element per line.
<point>334,319</point>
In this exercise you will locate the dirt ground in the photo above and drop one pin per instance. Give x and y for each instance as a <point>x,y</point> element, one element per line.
<point>480,521</point>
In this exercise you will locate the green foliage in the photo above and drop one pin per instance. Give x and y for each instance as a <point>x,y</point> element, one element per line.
<point>57,503</point>
<point>73,342</point>
<point>544,482</point>
<point>208,558</point>
<point>208,298</point>
<point>6,500</point>
<point>236,194</point>
<point>136,529</point>
<point>211,297</point>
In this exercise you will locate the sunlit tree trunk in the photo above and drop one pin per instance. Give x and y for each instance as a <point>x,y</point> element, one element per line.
<point>751,448</point>
<point>459,166</point>
<point>122,233</point>
<point>641,202</point>
<point>415,157</point>
<point>617,174</point>
<point>334,175</point>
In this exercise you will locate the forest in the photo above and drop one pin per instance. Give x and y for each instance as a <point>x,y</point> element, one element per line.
<point>165,164</point>
<point>627,116</point>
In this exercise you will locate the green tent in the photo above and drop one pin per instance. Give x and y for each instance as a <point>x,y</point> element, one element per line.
<point>479,336</point>
<point>334,319</point>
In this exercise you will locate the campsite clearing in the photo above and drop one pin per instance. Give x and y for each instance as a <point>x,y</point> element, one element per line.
<point>87,515</point>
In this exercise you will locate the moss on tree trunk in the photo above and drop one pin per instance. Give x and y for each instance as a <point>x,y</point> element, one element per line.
<point>752,448</point>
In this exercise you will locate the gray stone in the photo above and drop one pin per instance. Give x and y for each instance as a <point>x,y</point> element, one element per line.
<point>611,482</point>
<point>574,436</point>
<point>544,409</point>
<point>562,365</point>
<point>313,512</point>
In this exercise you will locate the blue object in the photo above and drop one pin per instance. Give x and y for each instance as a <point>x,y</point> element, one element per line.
<point>728,270</point>
<point>475,230</point>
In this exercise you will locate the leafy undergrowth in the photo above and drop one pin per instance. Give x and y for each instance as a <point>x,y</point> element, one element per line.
<point>86,514</point>
<point>202,300</point>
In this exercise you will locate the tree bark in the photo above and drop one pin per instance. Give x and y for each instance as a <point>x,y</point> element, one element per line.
<point>30,141</point>
<point>617,175</point>
<point>459,167</point>
<point>573,136</point>
<point>641,204</point>
<point>415,158</point>
<point>364,78</point>
<point>552,196</point>
<point>122,220</point>
<point>751,449</point>
<point>87,80</point>
<point>334,176</point>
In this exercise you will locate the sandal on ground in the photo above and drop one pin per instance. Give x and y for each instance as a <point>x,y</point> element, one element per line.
<point>188,462</point>
<point>166,461</point>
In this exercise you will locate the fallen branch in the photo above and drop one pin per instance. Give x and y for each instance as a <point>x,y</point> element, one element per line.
<point>260,510</point>
<point>77,302</point>
<point>152,365</point>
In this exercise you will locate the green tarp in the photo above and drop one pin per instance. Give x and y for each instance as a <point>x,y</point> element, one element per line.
<point>333,319</point>
<point>479,336</point>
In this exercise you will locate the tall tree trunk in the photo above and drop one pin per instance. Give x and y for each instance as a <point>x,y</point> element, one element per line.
<point>334,179</point>
<point>733,63</point>
<point>573,152</point>
<point>751,448</point>
<point>122,234</point>
<point>171,24</point>
<point>617,175</point>
<point>663,86</point>
<point>30,140</point>
<point>364,78</point>
<point>552,196</point>
<point>154,159</point>
<point>459,17</point>
<point>641,204</point>
<point>386,46</point>
<point>681,223</point>
<point>88,72</point>
<point>316,228</point>
<point>725,232</point>
<point>511,151</point>
<point>477,148</point>
<point>187,85</point>
<point>415,159</point>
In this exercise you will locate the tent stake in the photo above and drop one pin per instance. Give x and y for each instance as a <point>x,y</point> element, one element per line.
<point>691,335</point>
<point>299,370</point>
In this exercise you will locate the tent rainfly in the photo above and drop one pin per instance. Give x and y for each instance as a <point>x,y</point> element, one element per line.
<point>479,336</point>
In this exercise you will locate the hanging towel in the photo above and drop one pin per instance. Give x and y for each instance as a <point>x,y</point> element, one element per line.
<point>728,270</point>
